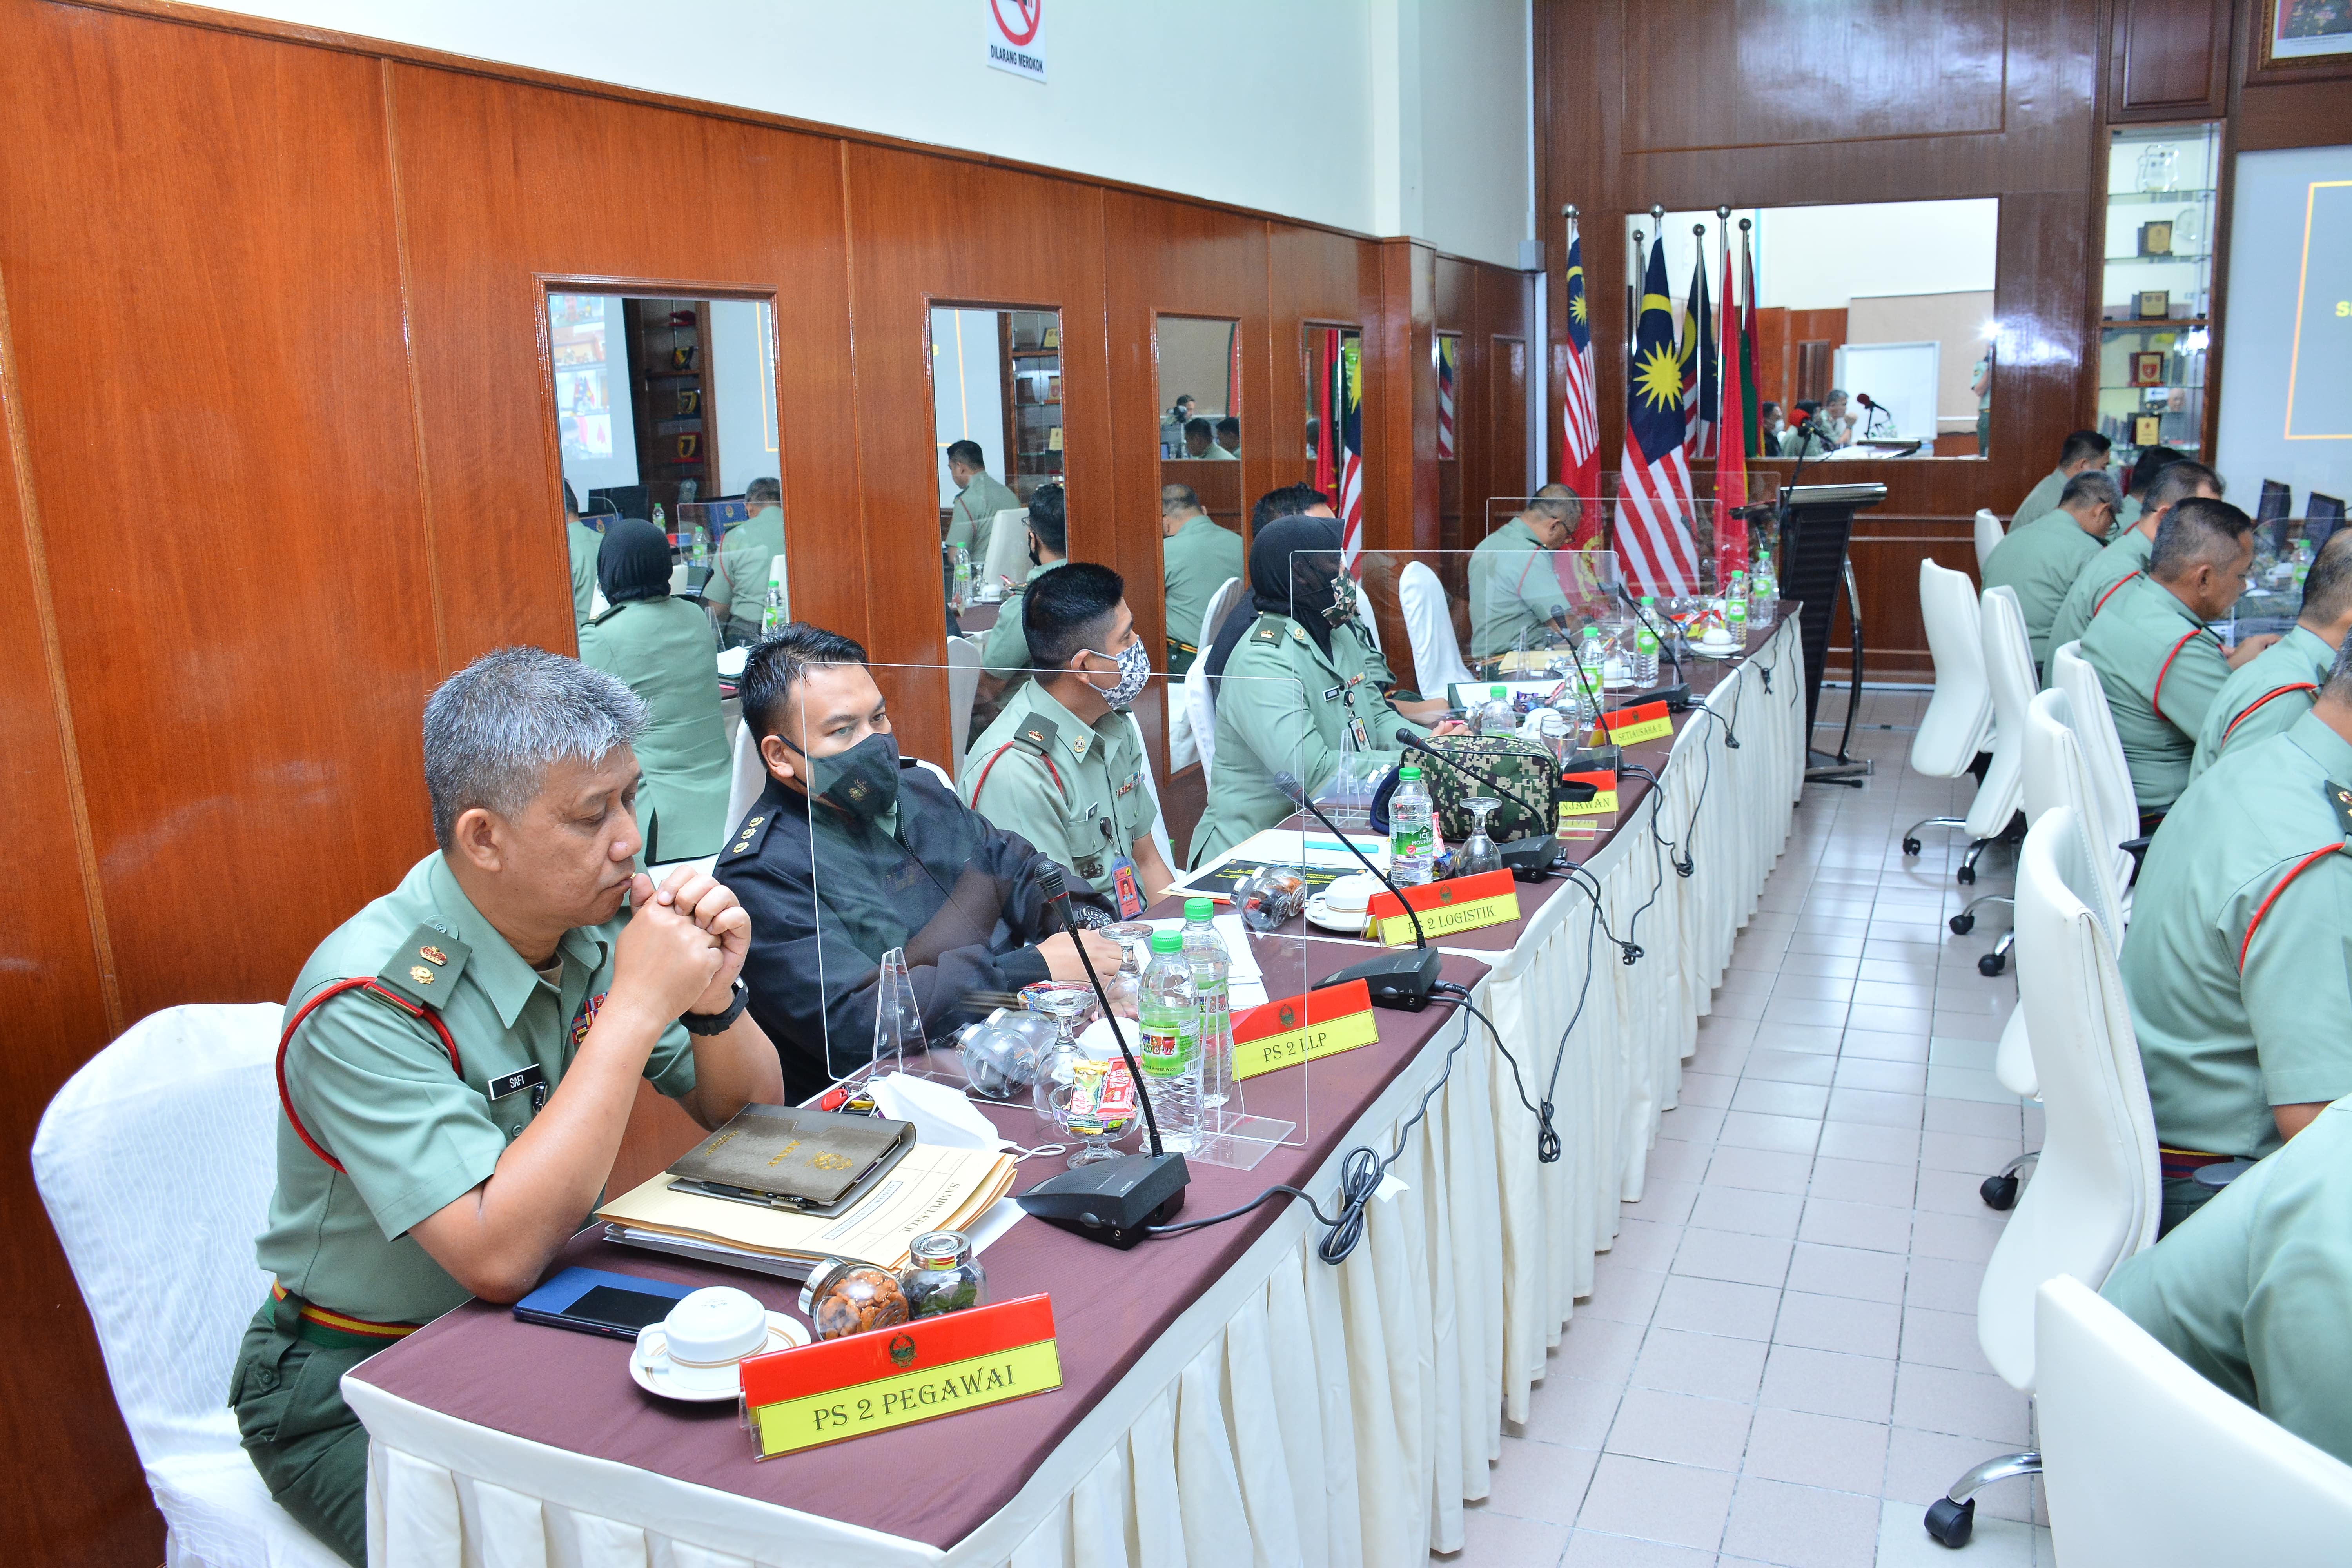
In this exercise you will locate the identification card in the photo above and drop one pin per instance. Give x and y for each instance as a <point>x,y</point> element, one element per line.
<point>1364,737</point>
<point>1301,1028</point>
<point>1462,903</point>
<point>1130,897</point>
<point>1632,726</point>
<point>815,1394</point>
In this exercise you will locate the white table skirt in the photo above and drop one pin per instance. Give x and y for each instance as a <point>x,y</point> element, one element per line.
<point>1296,1413</point>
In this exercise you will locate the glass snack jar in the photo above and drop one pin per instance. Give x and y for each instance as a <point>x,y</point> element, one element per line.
<point>941,1274</point>
<point>845,1297</point>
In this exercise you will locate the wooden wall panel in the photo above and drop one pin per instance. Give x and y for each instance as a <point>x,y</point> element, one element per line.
<point>2304,103</point>
<point>2166,59</point>
<point>503,184</point>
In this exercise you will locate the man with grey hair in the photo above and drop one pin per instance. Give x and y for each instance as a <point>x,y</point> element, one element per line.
<point>749,556</point>
<point>460,1056</point>
<point>2039,561</point>
<point>1514,591</point>
<point>2127,556</point>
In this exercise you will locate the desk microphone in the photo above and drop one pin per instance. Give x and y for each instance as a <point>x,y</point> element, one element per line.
<point>1677,697</point>
<point>1401,980</point>
<point>1110,1200</point>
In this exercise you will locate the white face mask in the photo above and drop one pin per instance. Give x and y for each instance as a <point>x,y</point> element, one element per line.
<point>1134,670</point>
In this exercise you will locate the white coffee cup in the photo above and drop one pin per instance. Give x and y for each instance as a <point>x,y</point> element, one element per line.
<point>1348,895</point>
<point>706,1334</point>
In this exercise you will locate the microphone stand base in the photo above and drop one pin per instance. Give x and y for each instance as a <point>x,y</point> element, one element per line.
<point>1822,768</point>
<point>1401,980</point>
<point>1111,1201</point>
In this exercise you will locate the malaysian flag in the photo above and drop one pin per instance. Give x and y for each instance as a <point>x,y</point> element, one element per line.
<point>1579,409</point>
<point>1654,537</point>
<point>1700,393</point>
<point>1449,350</point>
<point>1352,453</point>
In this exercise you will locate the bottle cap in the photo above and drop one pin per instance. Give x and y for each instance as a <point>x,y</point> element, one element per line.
<point>1497,693</point>
<point>1199,909</point>
<point>1408,771</point>
<point>1649,598</point>
<point>1167,942</point>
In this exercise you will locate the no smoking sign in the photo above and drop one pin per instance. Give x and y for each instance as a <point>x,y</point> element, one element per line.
<point>1015,41</point>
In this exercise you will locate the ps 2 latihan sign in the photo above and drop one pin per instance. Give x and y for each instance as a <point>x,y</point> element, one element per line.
<point>1014,43</point>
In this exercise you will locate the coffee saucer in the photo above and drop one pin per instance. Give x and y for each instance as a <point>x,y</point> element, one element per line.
<point>1320,912</point>
<point>783,1333</point>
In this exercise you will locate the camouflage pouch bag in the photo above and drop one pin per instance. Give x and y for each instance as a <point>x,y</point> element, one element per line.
<point>1521,778</point>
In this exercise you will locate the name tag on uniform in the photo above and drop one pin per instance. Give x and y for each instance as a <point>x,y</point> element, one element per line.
<point>1333,695</point>
<point>516,1082</point>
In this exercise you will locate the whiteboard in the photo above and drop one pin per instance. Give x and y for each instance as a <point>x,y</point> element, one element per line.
<point>1903,377</point>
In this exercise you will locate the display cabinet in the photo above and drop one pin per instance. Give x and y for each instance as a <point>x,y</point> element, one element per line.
<point>2155,299</point>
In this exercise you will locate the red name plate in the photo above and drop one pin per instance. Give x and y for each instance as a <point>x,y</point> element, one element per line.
<point>815,1394</point>
<point>1632,726</point>
<point>1460,903</point>
<point>1301,1028</point>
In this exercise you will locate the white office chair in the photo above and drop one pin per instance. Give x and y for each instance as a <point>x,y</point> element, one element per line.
<point>1199,702</point>
<point>2096,1198</point>
<point>1437,660</point>
<point>1008,549</point>
<point>2009,669</point>
<point>963,689</point>
<point>1184,745</point>
<point>747,780</point>
<point>2146,1465</point>
<point>1958,722</point>
<point>2116,807</point>
<point>1158,823</point>
<point>1989,533</point>
<point>155,1162</point>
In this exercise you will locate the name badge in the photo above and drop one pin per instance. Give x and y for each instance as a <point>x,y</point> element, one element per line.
<point>1333,695</point>
<point>530,1077</point>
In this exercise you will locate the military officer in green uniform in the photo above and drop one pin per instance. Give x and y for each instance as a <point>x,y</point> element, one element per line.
<point>2041,560</point>
<point>1514,591</point>
<point>737,589</point>
<point>971,518</point>
<point>1290,672</point>
<point>2127,554</point>
<point>661,647</point>
<point>2082,452</point>
<point>582,542</point>
<point>2251,1290</point>
<point>2151,461</point>
<point>2158,663</point>
<point>1197,558</point>
<point>1061,766</point>
<point>1004,652</point>
<point>2269,692</point>
<point>2236,964</point>
<point>462,1054</point>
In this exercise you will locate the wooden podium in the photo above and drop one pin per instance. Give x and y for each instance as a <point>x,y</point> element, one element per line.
<point>1816,523</point>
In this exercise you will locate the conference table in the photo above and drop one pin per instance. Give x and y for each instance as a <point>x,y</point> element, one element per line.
<point>1228,1396</point>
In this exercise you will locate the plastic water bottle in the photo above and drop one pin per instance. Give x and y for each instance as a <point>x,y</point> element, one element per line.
<point>1496,716</point>
<point>1763,593</point>
<point>1170,1032</point>
<point>660,520</point>
<point>1411,836</point>
<point>1645,655</point>
<point>1735,610</point>
<point>698,547</point>
<point>1204,950</point>
<point>962,559</point>
<point>771,612</point>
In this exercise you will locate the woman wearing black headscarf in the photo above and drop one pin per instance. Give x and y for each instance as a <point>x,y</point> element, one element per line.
<point>1293,671</point>
<point>666,650</point>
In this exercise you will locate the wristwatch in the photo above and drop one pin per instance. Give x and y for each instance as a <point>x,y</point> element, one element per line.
<point>719,1022</point>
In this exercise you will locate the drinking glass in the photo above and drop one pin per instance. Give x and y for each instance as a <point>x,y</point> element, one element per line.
<point>1479,852</point>
<point>1062,1001</point>
<point>1125,987</point>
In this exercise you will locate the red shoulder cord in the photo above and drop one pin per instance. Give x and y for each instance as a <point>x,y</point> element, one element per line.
<point>990,766</point>
<point>2156,698</point>
<point>286,1101</point>
<point>2257,702</point>
<point>2294,871</point>
<point>2111,593</point>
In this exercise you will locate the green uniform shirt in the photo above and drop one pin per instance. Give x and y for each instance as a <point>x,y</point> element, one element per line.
<point>1797,442</point>
<point>1196,561</point>
<point>374,1086</point>
<point>1005,650</point>
<point>2110,566</point>
<point>2126,515</point>
<point>2253,1291</point>
<point>1513,589</point>
<point>971,520</point>
<point>2042,499</point>
<point>583,543</point>
<point>2230,1025</point>
<point>2040,562</point>
<point>1282,714</point>
<point>737,588</point>
<point>2264,695</point>
<point>662,648</point>
<point>1086,810</point>
<point>2161,670</point>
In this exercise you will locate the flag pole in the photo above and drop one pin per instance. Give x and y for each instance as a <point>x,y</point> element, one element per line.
<point>1752,401</point>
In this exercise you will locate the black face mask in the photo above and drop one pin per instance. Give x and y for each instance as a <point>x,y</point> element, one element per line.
<point>1033,555</point>
<point>861,783</point>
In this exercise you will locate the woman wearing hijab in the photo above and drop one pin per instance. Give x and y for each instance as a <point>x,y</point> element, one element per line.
<point>664,648</point>
<point>1290,670</point>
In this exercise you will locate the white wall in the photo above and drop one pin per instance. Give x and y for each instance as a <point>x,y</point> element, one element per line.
<point>967,392</point>
<point>2268,204</point>
<point>743,392</point>
<point>1262,103</point>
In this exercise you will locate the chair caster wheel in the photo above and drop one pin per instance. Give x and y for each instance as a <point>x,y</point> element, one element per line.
<point>1950,1523</point>
<point>1966,875</point>
<point>1991,964</point>
<point>1998,1193</point>
<point>1910,847</point>
<point>1962,924</point>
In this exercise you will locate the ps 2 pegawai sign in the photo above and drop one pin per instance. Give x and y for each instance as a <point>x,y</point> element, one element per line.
<point>1014,43</point>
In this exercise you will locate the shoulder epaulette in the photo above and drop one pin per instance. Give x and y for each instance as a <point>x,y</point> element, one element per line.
<point>1037,733</point>
<point>425,966</point>
<point>2341,799</point>
<point>1268,629</point>
<point>751,834</point>
<point>610,611</point>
